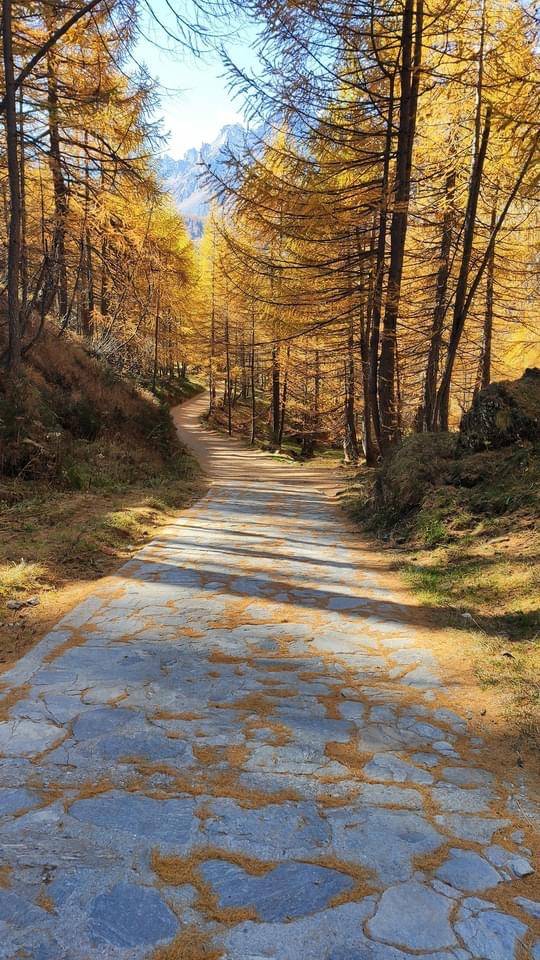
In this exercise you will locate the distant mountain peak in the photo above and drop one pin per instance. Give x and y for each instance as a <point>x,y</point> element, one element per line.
<point>183,177</point>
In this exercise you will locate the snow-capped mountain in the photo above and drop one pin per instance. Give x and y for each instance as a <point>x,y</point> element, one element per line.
<point>183,178</point>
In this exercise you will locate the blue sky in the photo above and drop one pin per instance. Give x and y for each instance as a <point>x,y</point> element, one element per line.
<point>194,102</point>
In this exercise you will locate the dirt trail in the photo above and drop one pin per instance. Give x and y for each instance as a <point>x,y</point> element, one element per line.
<point>244,747</point>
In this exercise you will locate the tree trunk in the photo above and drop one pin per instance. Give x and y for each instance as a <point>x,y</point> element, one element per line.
<point>14,229</point>
<point>434,354</point>
<point>252,378</point>
<point>376,314</point>
<point>89,271</point>
<point>366,291</point>
<point>410,81</point>
<point>59,187</point>
<point>276,396</point>
<point>350,440</point>
<point>484,366</point>
<point>156,345</point>
<point>228,371</point>
<point>284,398</point>
<point>212,372</point>
<point>460,300</point>
<point>22,172</point>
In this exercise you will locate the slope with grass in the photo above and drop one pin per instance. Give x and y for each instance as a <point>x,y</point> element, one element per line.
<point>89,465</point>
<point>461,514</point>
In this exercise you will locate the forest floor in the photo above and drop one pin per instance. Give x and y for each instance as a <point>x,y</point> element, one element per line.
<point>252,741</point>
<point>241,427</point>
<point>91,501</point>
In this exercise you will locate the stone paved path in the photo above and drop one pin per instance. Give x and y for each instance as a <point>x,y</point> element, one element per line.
<point>239,749</point>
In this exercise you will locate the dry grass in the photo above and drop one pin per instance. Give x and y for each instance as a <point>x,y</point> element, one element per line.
<point>469,550</point>
<point>20,578</point>
<point>73,543</point>
<point>210,781</point>
<point>186,870</point>
<point>11,698</point>
<point>348,755</point>
<point>191,944</point>
<point>280,734</point>
<point>93,789</point>
<point>172,715</point>
<point>217,656</point>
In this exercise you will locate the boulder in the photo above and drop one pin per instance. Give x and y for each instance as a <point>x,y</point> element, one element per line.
<point>420,461</point>
<point>504,413</point>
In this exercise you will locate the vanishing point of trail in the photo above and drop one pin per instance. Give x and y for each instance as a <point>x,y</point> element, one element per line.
<point>239,748</point>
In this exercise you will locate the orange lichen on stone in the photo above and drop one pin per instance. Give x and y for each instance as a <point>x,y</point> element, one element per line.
<point>5,876</point>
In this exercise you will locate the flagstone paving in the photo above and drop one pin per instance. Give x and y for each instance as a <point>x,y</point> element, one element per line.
<point>242,747</point>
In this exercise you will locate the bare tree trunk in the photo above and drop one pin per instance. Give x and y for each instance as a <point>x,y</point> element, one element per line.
<point>366,291</point>
<point>484,366</point>
<point>410,81</point>
<point>350,441</point>
<point>433,360</point>
<point>14,229</point>
<point>252,378</point>
<point>244,391</point>
<point>212,372</point>
<point>22,168</point>
<point>228,370</point>
<point>104,285</point>
<point>89,270</point>
<point>276,396</point>
<point>460,300</point>
<point>156,343</point>
<point>374,340</point>
<point>284,398</point>
<point>59,187</point>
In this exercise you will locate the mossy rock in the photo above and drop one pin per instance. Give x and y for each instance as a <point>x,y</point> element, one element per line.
<point>504,413</point>
<point>421,461</point>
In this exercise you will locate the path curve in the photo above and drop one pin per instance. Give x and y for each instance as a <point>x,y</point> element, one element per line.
<point>241,747</point>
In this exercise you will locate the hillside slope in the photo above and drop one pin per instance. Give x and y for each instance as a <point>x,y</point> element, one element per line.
<point>461,515</point>
<point>89,466</point>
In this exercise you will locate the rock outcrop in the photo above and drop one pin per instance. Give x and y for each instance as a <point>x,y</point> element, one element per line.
<point>504,413</point>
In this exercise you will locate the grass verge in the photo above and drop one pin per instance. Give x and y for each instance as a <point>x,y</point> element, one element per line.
<point>54,544</point>
<point>467,541</point>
